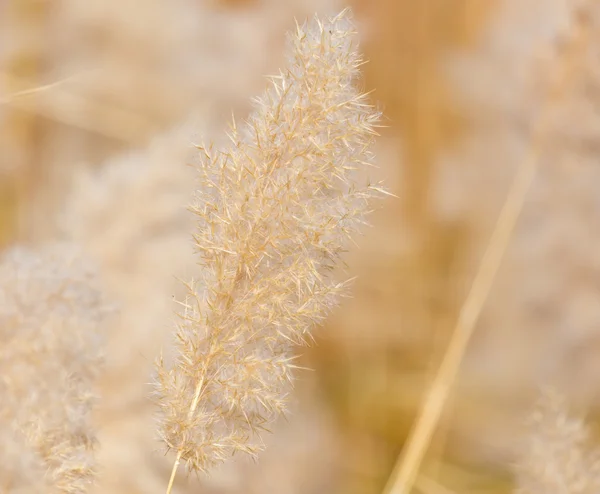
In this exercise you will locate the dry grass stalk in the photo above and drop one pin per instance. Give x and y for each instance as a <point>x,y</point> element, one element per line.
<point>407,466</point>
<point>274,214</point>
<point>51,314</point>
<point>63,105</point>
<point>5,99</point>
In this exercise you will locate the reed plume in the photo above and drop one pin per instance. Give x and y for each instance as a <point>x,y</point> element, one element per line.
<point>51,317</point>
<point>21,468</point>
<point>274,213</point>
<point>558,456</point>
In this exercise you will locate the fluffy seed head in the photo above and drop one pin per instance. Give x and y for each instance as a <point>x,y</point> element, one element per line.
<point>51,316</point>
<point>557,456</point>
<point>274,213</point>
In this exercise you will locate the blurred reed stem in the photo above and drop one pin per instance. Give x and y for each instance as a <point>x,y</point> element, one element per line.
<point>406,470</point>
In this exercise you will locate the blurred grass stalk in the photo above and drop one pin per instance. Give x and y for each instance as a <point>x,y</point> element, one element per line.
<point>406,471</point>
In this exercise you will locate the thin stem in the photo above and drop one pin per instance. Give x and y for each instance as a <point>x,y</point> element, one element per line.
<point>174,472</point>
<point>195,401</point>
<point>405,472</point>
<point>37,89</point>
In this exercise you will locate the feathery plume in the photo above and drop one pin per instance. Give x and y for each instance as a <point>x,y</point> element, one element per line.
<point>274,214</point>
<point>558,456</point>
<point>51,313</point>
<point>21,468</point>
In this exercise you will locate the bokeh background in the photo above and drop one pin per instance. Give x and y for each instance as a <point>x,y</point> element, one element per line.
<point>99,100</point>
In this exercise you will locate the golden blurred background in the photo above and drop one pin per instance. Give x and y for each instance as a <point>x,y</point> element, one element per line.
<point>96,98</point>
